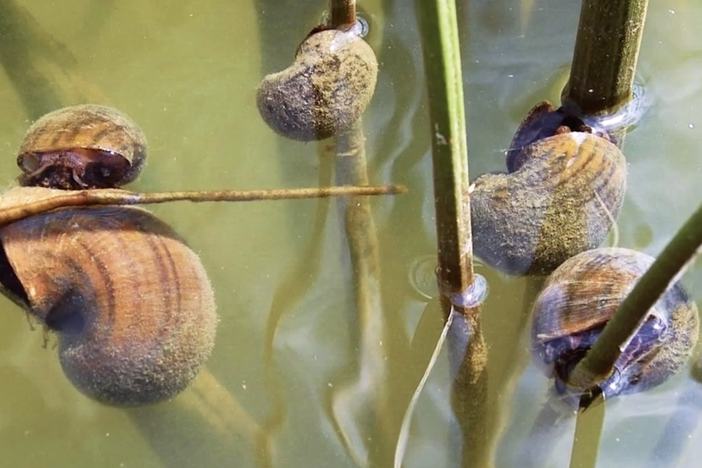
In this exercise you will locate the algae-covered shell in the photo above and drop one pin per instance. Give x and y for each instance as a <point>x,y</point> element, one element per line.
<point>580,297</point>
<point>83,146</point>
<point>562,200</point>
<point>325,90</point>
<point>131,303</point>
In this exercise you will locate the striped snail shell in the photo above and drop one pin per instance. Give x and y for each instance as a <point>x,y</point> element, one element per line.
<point>560,198</point>
<point>325,90</point>
<point>580,297</point>
<point>79,147</point>
<point>130,301</point>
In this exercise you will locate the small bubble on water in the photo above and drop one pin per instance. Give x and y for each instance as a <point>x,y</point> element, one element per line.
<point>691,126</point>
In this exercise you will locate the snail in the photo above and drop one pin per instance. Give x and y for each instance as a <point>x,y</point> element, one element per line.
<point>325,90</point>
<point>131,303</point>
<point>561,196</point>
<point>82,147</point>
<point>580,297</point>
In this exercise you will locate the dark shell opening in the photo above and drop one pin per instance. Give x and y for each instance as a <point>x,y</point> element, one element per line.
<point>73,169</point>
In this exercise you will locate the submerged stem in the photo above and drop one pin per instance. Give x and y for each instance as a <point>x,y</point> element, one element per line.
<point>75,198</point>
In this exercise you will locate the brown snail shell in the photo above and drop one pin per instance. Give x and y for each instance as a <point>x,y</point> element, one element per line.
<point>84,146</point>
<point>561,199</point>
<point>130,301</point>
<point>580,297</point>
<point>326,89</point>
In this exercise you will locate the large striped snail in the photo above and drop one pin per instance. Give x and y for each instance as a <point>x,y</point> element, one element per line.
<point>580,297</point>
<point>325,90</point>
<point>130,301</point>
<point>562,193</point>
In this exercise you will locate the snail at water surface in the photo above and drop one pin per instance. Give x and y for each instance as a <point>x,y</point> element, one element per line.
<point>563,191</point>
<point>325,90</point>
<point>580,297</point>
<point>131,302</point>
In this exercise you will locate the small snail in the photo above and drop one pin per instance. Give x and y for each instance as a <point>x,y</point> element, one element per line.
<point>580,297</point>
<point>79,147</point>
<point>326,89</point>
<point>564,189</point>
<point>131,302</point>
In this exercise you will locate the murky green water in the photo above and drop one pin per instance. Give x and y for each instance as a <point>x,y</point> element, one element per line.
<point>311,388</point>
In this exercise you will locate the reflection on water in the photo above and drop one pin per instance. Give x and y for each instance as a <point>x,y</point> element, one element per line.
<point>187,73</point>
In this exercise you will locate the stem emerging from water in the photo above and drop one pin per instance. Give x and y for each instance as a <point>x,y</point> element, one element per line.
<point>342,12</point>
<point>467,350</point>
<point>605,56</point>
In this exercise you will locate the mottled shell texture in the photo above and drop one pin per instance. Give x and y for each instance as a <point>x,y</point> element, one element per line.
<point>325,90</point>
<point>563,200</point>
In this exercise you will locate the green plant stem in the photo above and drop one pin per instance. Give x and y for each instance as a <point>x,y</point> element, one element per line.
<point>605,56</point>
<point>439,33</point>
<point>467,349</point>
<point>598,363</point>
<point>342,12</point>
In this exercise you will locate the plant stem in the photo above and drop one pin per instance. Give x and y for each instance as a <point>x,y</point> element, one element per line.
<point>605,56</point>
<point>598,363</point>
<point>449,149</point>
<point>72,198</point>
<point>366,396</point>
<point>342,12</point>
<point>466,347</point>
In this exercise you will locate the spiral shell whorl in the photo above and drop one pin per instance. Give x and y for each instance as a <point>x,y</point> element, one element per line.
<point>131,303</point>
<point>560,202</point>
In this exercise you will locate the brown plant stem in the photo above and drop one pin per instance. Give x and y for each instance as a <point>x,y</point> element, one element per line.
<point>77,198</point>
<point>366,398</point>
<point>342,12</point>
<point>606,51</point>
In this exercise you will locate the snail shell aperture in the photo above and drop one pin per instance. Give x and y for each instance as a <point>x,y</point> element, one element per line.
<point>84,146</point>
<point>130,301</point>
<point>580,297</point>
<point>560,199</point>
<point>326,89</point>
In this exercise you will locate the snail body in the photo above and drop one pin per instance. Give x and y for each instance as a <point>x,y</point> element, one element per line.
<point>325,90</point>
<point>560,198</point>
<point>580,297</point>
<point>130,301</point>
<point>81,147</point>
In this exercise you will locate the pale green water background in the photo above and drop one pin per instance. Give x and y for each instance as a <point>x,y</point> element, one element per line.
<point>187,73</point>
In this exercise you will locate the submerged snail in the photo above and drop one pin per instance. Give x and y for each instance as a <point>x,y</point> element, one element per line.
<point>562,193</point>
<point>131,302</point>
<point>79,147</point>
<point>326,89</point>
<point>580,297</point>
